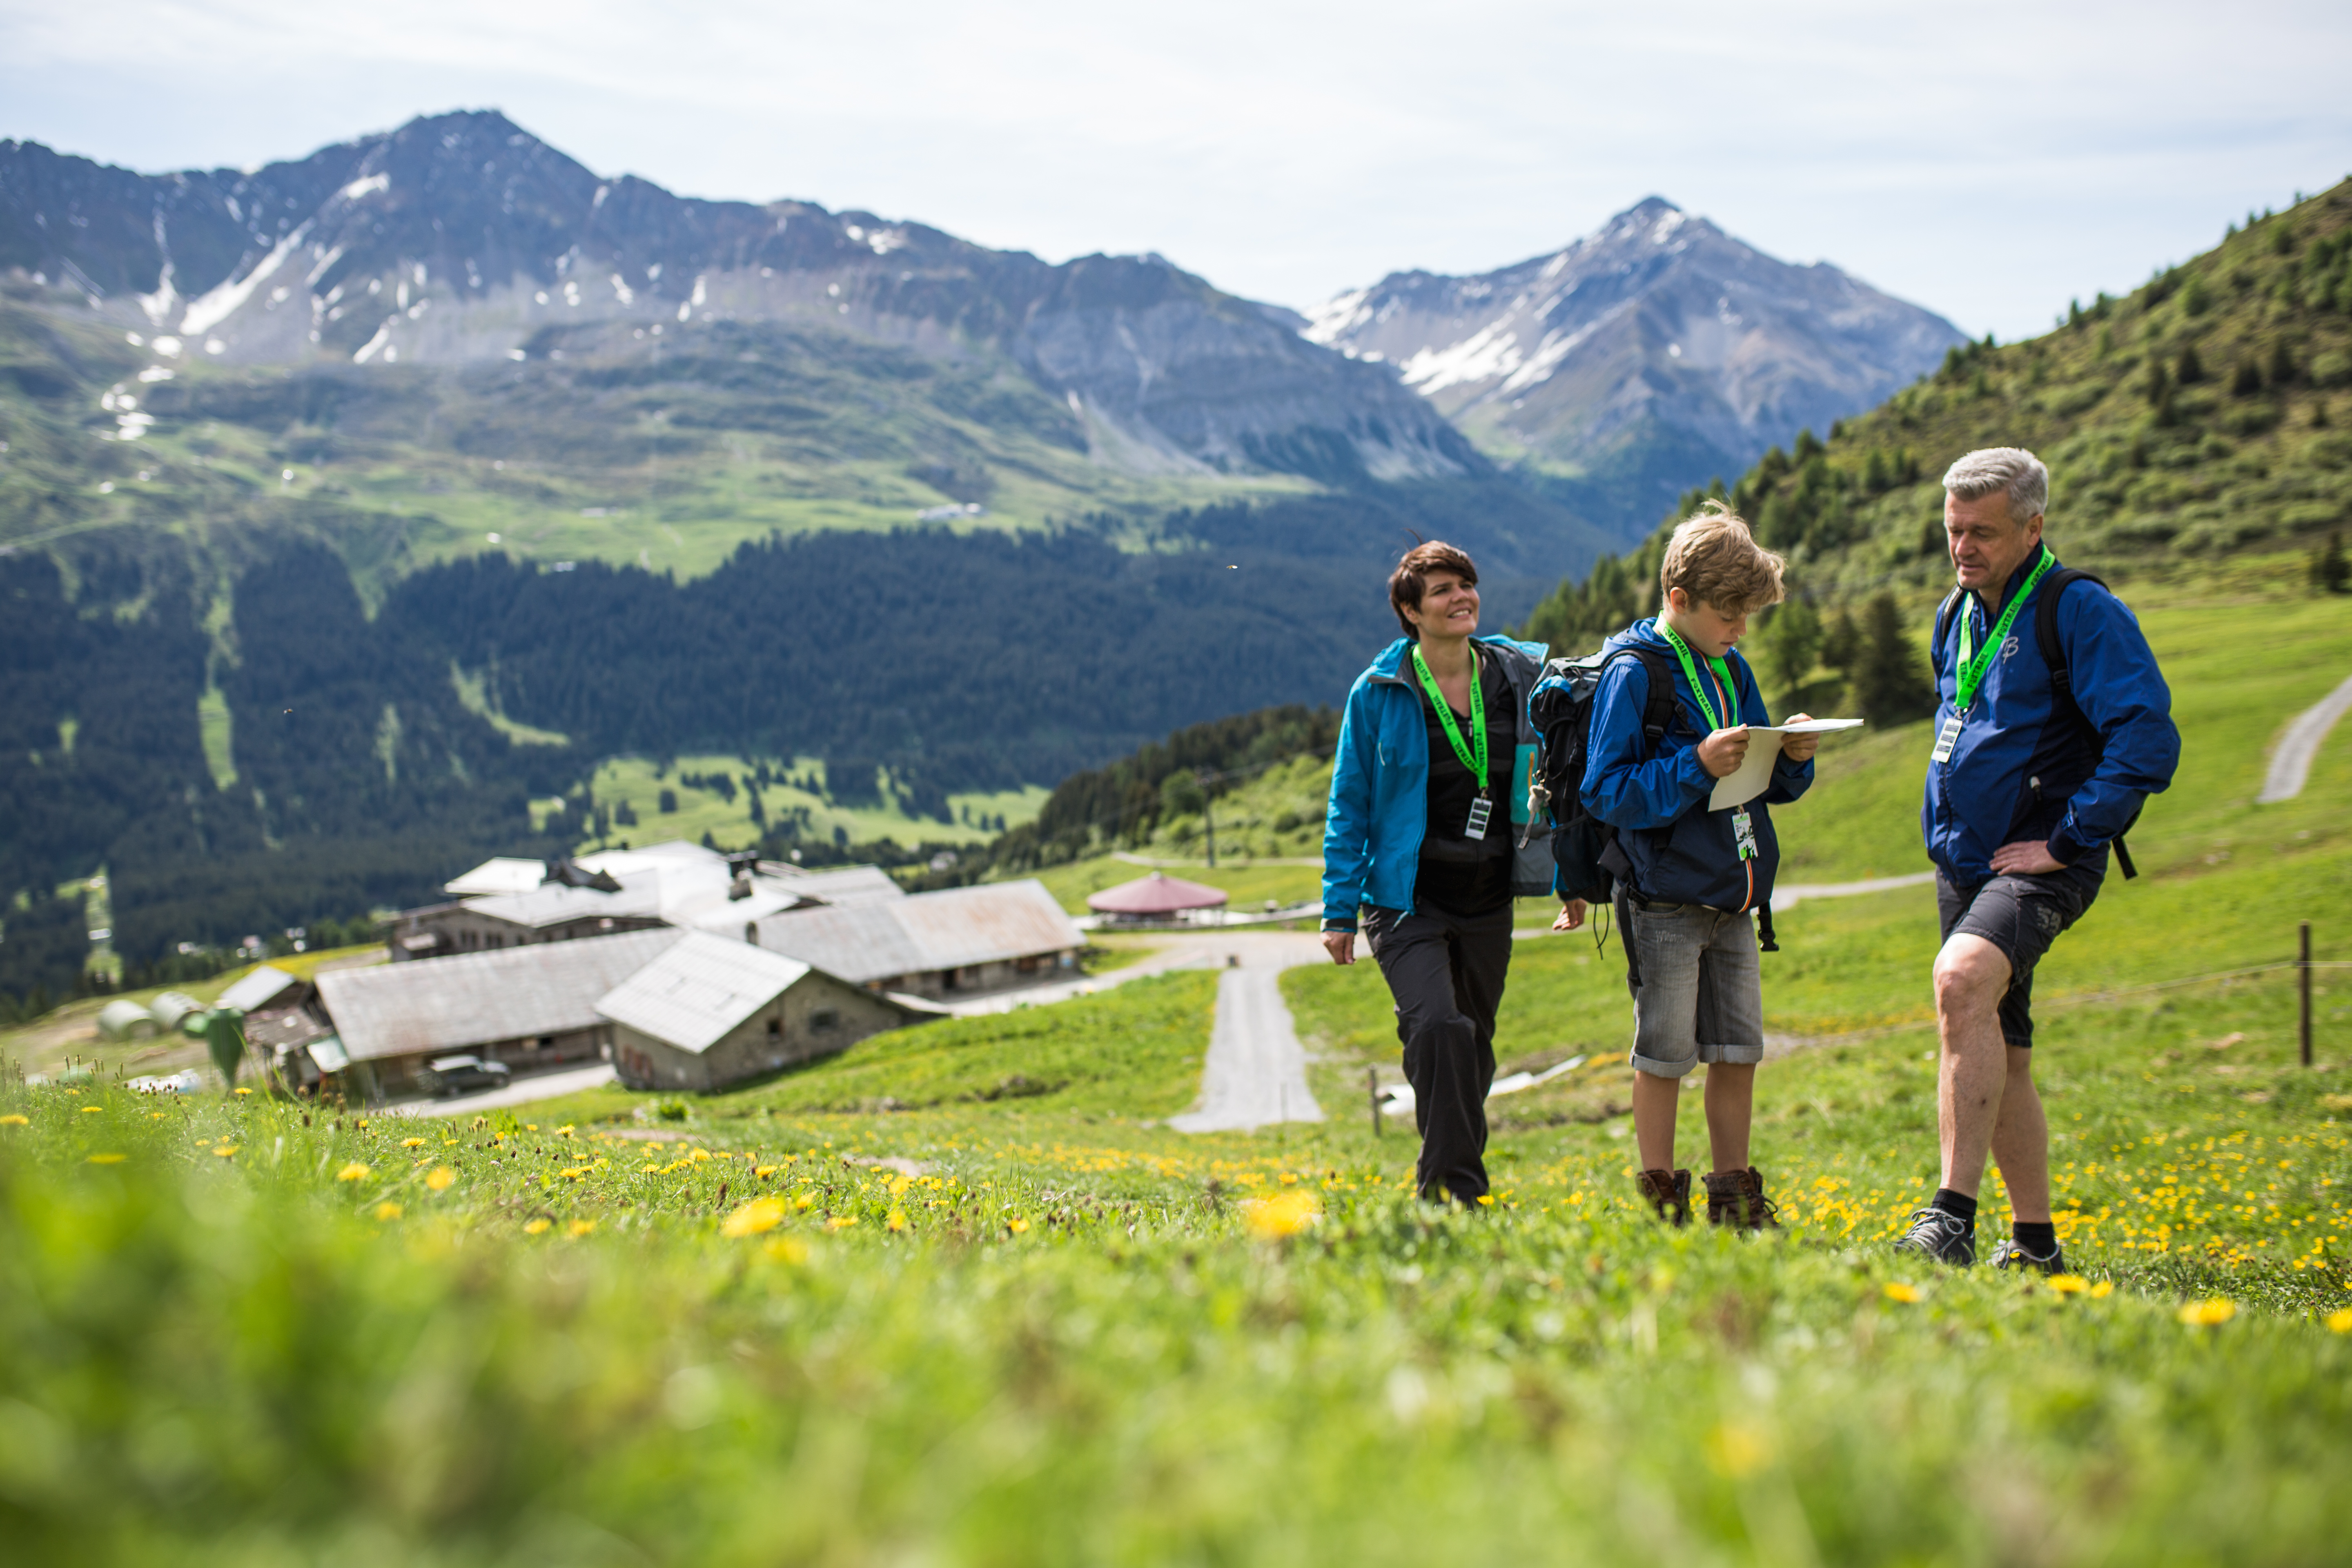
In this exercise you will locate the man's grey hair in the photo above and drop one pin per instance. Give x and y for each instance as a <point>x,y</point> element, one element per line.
<point>2011,470</point>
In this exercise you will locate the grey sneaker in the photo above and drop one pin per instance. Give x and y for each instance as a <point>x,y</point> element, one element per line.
<point>1946,1238</point>
<point>2013,1254</point>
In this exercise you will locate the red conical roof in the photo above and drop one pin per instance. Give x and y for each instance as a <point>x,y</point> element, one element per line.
<point>1155,895</point>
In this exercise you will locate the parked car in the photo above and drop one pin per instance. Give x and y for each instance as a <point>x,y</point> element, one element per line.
<point>448,1075</point>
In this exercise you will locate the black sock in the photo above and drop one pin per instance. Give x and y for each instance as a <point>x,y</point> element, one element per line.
<point>1954,1203</point>
<point>2040,1239</point>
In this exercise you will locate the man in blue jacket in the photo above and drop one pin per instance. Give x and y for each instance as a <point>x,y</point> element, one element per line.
<point>1693,876</point>
<point>2032,777</point>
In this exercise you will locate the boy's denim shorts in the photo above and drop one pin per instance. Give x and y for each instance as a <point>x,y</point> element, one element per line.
<point>1701,994</point>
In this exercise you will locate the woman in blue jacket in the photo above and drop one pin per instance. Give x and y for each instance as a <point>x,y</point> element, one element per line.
<point>1426,842</point>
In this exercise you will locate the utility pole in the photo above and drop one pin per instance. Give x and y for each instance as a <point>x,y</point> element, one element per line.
<point>1209,814</point>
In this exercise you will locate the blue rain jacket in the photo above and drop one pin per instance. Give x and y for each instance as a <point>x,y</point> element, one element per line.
<point>2024,770</point>
<point>1681,852</point>
<point>1379,808</point>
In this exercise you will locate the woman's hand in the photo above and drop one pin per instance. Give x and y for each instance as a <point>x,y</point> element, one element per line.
<point>1800,748</point>
<point>1722,753</point>
<point>1340,945</point>
<point>1572,915</point>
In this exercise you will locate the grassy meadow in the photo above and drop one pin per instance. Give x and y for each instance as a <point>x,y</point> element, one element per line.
<point>958,1296</point>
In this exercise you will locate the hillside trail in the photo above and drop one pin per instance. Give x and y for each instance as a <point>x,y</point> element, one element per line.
<point>1255,1071</point>
<point>2291,764</point>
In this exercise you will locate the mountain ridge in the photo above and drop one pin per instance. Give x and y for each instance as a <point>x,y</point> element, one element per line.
<point>1630,363</point>
<point>461,239</point>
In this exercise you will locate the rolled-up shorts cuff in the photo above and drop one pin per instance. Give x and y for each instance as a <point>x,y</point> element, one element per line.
<point>1733,1056</point>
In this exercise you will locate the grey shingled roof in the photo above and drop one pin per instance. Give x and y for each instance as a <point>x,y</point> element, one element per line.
<point>862,942</point>
<point>475,998</point>
<point>690,996</point>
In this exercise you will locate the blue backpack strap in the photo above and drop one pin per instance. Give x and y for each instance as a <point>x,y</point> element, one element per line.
<point>2061,683</point>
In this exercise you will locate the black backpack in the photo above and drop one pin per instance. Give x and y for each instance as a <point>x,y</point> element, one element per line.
<point>1562,709</point>
<point>2053,655</point>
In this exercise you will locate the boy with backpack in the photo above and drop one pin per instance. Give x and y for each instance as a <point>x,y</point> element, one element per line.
<point>1671,705</point>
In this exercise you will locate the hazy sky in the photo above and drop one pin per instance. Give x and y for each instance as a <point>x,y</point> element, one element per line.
<point>1988,161</point>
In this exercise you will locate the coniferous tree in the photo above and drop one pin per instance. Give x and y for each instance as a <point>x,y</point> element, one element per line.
<point>1796,643</point>
<point>2330,571</point>
<point>1842,644</point>
<point>2192,369</point>
<point>1890,682</point>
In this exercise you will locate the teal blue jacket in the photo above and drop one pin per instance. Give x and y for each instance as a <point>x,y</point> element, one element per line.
<point>1379,809</point>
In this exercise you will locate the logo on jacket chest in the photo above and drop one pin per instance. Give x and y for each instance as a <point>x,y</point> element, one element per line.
<point>2008,651</point>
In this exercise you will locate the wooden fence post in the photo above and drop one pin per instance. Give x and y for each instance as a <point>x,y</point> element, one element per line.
<point>2303,977</point>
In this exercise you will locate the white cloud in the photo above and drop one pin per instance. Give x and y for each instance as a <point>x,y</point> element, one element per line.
<point>1988,161</point>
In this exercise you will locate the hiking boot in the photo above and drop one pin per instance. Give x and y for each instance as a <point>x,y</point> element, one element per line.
<point>1942,1235</point>
<point>2013,1254</point>
<point>1736,1198</point>
<point>1668,1192</point>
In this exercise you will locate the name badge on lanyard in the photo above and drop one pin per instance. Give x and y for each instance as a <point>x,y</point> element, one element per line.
<point>1480,809</point>
<point>1743,832</point>
<point>1946,738</point>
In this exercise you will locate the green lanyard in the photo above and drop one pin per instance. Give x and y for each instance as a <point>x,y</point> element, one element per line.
<point>1475,761</point>
<point>1698,687</point>
<point>1969,673</point>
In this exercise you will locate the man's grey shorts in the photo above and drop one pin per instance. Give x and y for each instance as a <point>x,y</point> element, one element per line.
<point>2021,915</point>
<point>1701,993</point>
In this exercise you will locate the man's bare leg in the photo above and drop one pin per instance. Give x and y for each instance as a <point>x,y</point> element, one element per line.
<point>2021,1142</point>
<point>1971,977</point>
<point>1656,1101</point>
<point>1731,1105</point>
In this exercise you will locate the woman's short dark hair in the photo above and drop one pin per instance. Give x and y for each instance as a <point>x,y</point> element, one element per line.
<point>1409,582</point>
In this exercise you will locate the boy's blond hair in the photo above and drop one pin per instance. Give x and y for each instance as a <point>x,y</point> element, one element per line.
<point>1716,560</point>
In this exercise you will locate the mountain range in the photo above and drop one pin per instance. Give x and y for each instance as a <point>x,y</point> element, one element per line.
<point>463,240</point>
<point>1641,358</point>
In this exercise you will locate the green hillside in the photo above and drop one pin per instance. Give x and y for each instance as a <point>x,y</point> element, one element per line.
<point>666,457</point>
<point>2207,413</point>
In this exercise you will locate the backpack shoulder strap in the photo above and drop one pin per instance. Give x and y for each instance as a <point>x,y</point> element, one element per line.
<point>2045,624</point>
<point>1658,711</point>
<point>1945,613</point>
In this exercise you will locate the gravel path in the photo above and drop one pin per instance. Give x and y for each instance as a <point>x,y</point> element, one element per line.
<point>2291,764</point>
<point>1255,1074</point>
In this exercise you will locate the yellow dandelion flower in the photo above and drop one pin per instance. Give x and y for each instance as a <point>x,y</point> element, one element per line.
<point>1485,1200</point>
<point>108,1158</point>
<point>764,1171</point>
<point>245,1091</point>
<point>225,1151</point>
<point>786,1249</point>
<point>2102,1289</point>
<point>580,1227</point>
<point>573,1174</point>
<point>152,1116</point>
<point>354,1171</point>
<point>1284,1213</point>
<point>13,1120</point>
<point>448,1142</point>
<point>2340,1320</point>
<point>93,1109</point>
<point>2068,1284</point>
<point>1016,1225</point>
<point>759,1216</point>
<point>360,1123</point>
<point>387,1211</point>
<point>538,1227</point>
<point>442,1179</point>
<point>2210,1313</point>
<point>898,1220</point>
<point>530,1126</point>
<point>803,1200</point>
<point>1736,1451</point>
<point>650,1165</point>
<point>1896,1291</point>
<point>565,1130</point>
<point>700,1154</point>
<point>412,1142</point>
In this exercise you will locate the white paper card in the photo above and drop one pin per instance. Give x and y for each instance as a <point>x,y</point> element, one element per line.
<point>1754,775</point>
